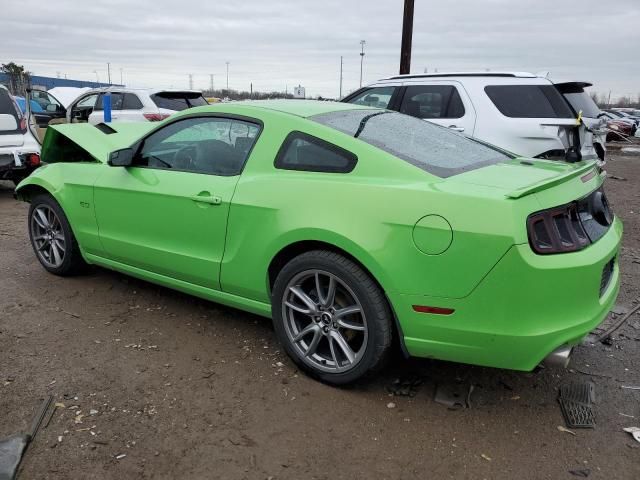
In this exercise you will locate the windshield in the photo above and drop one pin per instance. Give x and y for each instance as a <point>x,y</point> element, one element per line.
<point>430,147</point>
<point>178,101</point>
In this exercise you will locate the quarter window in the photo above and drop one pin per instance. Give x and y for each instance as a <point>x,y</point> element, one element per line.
<point>211,145</point>
<point>374,97</point>
<point>529,101</point>
<point>432,101</point>
<point>307,153</point>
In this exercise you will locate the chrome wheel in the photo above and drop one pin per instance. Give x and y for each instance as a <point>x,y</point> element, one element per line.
<point>324,321</point>
<point>48,236</point>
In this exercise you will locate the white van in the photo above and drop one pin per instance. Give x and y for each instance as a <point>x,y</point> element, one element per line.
<point>519,112</point>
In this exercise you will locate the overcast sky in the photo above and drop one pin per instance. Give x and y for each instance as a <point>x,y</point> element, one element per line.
<point>279,43</point>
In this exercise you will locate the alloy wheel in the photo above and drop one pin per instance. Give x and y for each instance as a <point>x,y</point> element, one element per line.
<point>324,321</point>
<point>48,236</point>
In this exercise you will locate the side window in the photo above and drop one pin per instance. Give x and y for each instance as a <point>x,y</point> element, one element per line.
<point>374,97</point>
<point>432,101</point>
<point>87,102</point>
<point>44,102</point>
<point>116,101</point>
<point>529,101</point>
<point>307,153</point>
<point>211,145</point>
<point>131,102</point>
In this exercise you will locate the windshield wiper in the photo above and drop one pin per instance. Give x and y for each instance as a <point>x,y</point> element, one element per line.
<point>364,121</point>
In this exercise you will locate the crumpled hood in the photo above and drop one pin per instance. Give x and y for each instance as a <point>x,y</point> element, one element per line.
<point>97,140</point>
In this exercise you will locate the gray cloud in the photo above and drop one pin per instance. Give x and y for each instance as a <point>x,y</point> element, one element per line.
<point>277,43</point>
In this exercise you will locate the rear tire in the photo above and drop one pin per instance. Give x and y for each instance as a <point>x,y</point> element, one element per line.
<point>52,239</point>
<point>331,317</point>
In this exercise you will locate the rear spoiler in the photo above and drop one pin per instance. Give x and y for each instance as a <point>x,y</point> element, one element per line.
<point>543,185</point>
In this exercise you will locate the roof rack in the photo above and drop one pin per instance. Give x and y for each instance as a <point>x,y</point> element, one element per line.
<point>464,74</point>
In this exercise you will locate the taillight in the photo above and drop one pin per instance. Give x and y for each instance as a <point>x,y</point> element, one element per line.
<point>156,117</point>
<point>23,123</point>
<point>570,227</point>
<point>33,160</point>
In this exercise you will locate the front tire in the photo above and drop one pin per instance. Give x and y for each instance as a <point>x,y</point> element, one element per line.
<point>331,317</point>
<point>52,239</point>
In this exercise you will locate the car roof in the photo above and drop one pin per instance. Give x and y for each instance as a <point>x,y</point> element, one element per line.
<point>303,108</point>
<point>150,91</point>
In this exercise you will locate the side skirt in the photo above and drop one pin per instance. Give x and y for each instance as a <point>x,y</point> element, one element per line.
<point>253,306</point>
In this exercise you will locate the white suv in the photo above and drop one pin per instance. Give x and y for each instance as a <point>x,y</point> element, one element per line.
<point>522,113</point>
<point>127,105</point>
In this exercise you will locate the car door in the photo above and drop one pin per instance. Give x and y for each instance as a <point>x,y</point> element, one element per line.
<point>79,111</point>
<point>444,103</point>
<point>167,213</point>
<point>97,115</point>
<point>45,108</point>
<point>132,109</point>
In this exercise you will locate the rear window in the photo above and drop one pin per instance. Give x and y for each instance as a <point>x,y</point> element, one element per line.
<point>529,101</point>
<point>430,147</point>
<point>9,107</point>
<point>580,100</point>
<point>178,101</point>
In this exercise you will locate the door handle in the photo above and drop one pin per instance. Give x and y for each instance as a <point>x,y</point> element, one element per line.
<point>206,197</point>
<point>455,128</point>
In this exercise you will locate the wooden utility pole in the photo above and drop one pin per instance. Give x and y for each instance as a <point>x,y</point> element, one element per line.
<point>407,35</point>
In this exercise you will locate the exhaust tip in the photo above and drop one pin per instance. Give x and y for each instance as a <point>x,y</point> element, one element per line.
<point>559,357</point>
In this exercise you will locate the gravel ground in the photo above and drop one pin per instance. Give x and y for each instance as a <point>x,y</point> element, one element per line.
<point>190,389</point>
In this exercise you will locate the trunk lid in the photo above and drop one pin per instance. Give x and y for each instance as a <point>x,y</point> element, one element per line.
<point>522,177</point>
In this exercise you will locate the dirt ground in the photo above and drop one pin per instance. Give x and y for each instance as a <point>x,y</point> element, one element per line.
<point>191,389</point>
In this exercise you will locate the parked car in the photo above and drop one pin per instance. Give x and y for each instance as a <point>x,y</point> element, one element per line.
<point>627,115</point>
<point>346,225</point>
<point>519,112</point>
<point>132,104</point>
<point>19,151</point>
<point>620,119</point>
<point>619,130</point>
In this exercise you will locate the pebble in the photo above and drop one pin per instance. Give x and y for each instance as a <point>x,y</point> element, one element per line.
<point>391,405</point>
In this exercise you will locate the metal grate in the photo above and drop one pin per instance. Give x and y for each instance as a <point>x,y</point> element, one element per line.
<point>607,271</point>
<point>576,402</point>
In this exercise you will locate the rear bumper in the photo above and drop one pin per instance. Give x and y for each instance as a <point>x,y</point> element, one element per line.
<point>525,308</point>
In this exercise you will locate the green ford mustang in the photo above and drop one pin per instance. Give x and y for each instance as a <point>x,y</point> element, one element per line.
<point>349,226</point>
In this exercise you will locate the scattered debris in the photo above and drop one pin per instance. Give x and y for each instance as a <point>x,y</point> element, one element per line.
<point>634,431</point>
<point>93,412</point>
<point>454,396</point>
<point>615,177</point>
<point>12,448</point>
<point>584,473</point>
<point>566,430</point>
<point>576,401</point>
<point>404,388</point>
<point>486,457</point>
<point>391,405</point>
<point>628,387</point>
<point>121,456</point>
<point>618,324</point>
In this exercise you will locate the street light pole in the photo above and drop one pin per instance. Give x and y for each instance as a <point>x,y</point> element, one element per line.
<point>109,72</point>
<point>407,35</point>
<point>362,42</point>
<point>121,83</point>
<point>227,78</point>
<point>340,96</point>
<point>97,77</point>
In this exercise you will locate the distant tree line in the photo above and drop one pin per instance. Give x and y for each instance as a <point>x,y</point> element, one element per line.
<point>602,100</point>
<point>244,95</point>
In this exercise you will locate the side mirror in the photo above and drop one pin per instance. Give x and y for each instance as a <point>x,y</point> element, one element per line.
<point>121,158</point>
<point>7,122</point>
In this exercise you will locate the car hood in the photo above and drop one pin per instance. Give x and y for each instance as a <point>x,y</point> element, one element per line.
<point>522,177</point>
<point>97,140</point>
